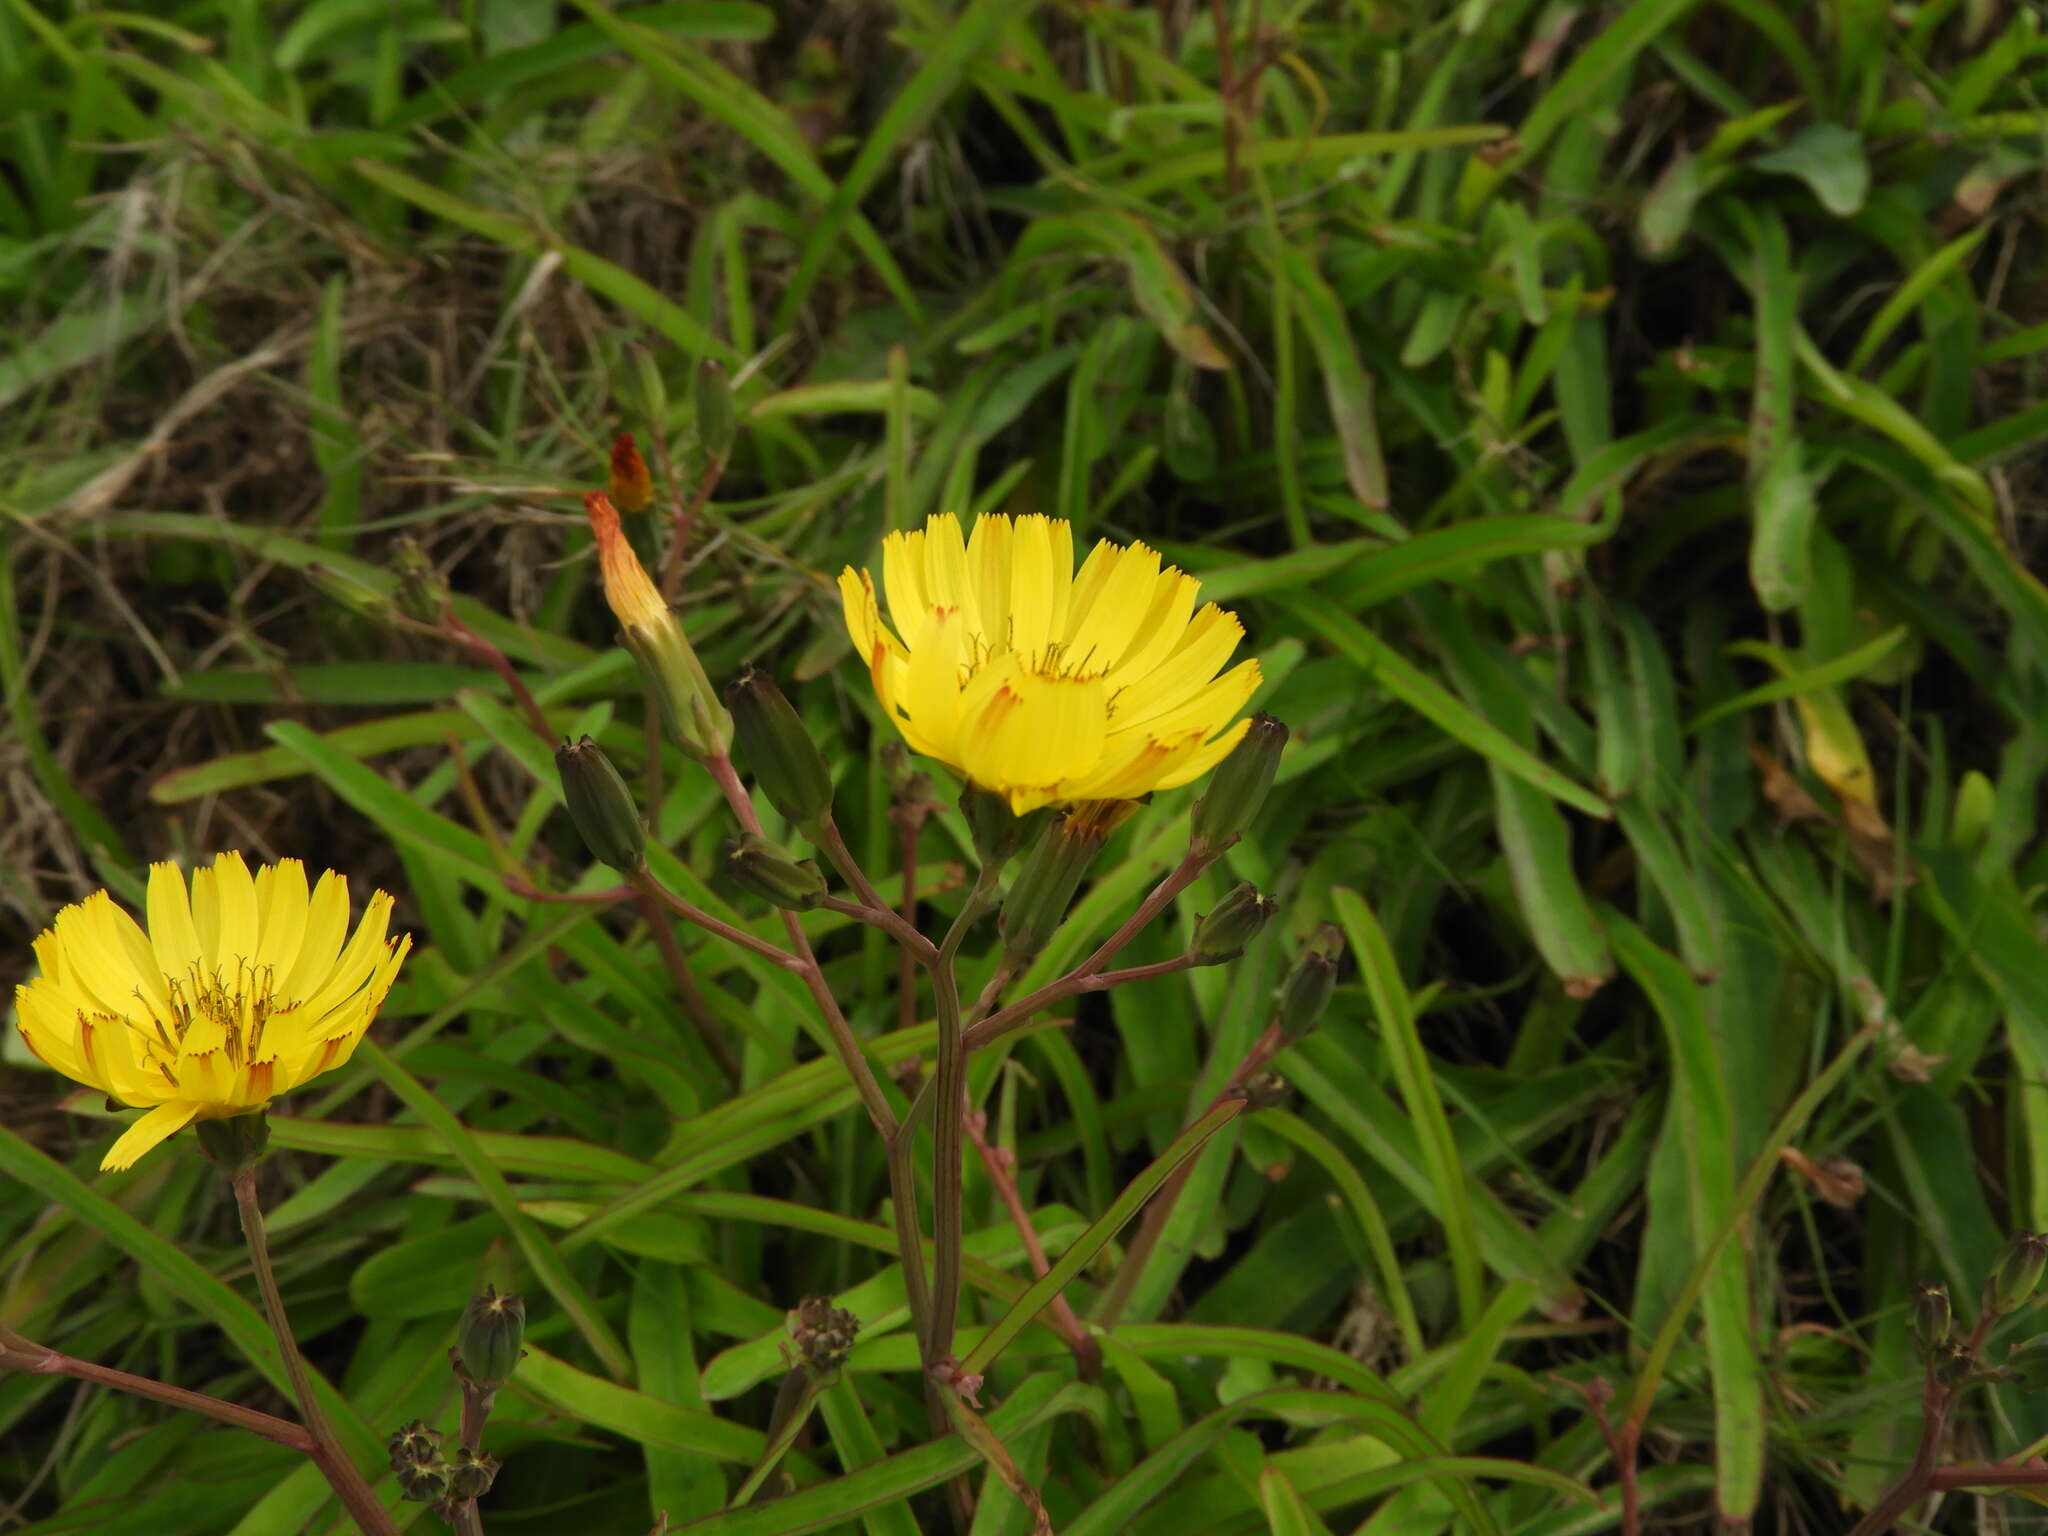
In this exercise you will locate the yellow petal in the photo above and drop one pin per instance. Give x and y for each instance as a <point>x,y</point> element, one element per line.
<point>988,567</point>
<point>282,905</point>
<point>109,959</point>
<point>357,963</point>
<point>1102,632</point>
<point>1036,731</point>
<point>235,893</point>
<point>1161,631</point>
<point>164,1121</point>
<point>326,931</point>
<point>1191,764</point>
<point>1210,639</point>
<point>47,1019</point>
<point>931,682</point>
<point>903,580</point>
<point>1041,571</point>
<point>946,581</point>
<point>171,931</point>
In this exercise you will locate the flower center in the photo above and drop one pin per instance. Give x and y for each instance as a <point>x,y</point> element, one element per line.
<point>229,1017</point>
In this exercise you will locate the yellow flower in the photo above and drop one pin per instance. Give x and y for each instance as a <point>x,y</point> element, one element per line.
<point>242,992</point>
<point>1040,683</point>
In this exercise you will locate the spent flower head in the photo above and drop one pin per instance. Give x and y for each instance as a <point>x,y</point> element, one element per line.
<point>241,989</point>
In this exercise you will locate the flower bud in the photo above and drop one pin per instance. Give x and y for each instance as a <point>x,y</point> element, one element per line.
<point>601,806</point>
<point>1933,1318</point>
<point>1238,787</point>
<point>2018,1273</point>
<point>416,1443</point>
<point>773,742</point>
<point>717,419</point>
<point>488,1339</point>
<point>689,709</point>
<point>754,864</point>
<point>631,486</point>
<point>1268,1090</point>
<point>1037,902</point>
<point>1233,923</point>
<point>234,1142</point>
<point>354,595</point>
<point>470,1474</point>
<point>422,595</point>
<point>822,1336</point>
<point>1305,992</point>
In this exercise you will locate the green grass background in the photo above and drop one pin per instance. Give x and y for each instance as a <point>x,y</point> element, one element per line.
<point>1620,429</point>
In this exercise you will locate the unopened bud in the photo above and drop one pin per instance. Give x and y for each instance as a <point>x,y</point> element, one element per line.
<point>235,1142</point>
<point>1231,924</point>
<point>631,486</point>
<point>821,1335</point>
<point>1268,1090</point>
<point>689,709</point>
<point>1238,787</point>
<point>470,1474</point>
<point>717,419</point>
<point>1305,992</point>
<point>418,1442</point>
<point>998,832</point>
<point>754,864</point>
<point>487,1342</point>
<point>2018,1273</point>
<point>422,595</point>
<point>601,806</point>
<point>1933,1318</point>
<point>1037,903</point>
<point>773,742</point>
<point>356,596</point>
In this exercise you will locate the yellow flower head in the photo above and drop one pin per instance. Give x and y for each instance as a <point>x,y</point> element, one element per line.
<point>242,992</point>
<point>1040,683</point>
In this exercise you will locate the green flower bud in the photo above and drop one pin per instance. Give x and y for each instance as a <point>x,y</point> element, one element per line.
<point>234,1142</point>
<point>1238,787</point>
<point>601,806</point>
<point>1933,1318</point>
<point>1037,903</point>
<point>1305,992</point>
<point>1268,1090</point>
<point>754,864</point>
<point>418,1442</point>
<point>1233,923</point>
<point>717,419</point>
<point>422,595</point>
<point>2018,1273</point>
<point>773,742</point>
<point>488,1339</point>
<point>356,596</point>
<point>998,832</point>
<point>470,1474</point>
<point>821,1336</point>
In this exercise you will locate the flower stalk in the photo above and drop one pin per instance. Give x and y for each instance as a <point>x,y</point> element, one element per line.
<point>334,1462</point>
